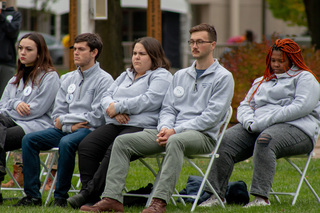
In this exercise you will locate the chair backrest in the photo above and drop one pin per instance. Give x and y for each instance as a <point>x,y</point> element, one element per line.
<point>225,123</point>
<point>223,128</point>
<point>212,156</point>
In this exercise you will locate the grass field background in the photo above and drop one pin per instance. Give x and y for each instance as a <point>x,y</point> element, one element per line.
<point>286,179</point>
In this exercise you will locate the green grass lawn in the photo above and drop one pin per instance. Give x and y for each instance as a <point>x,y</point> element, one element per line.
<point>285,179</point>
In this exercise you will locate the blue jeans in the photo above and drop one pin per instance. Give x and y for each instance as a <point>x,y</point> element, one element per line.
<point>33,143</point>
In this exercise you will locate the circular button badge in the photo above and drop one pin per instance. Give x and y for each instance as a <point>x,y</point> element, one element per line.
<point>71,88</point>
<point>69,98</point>
<point>178,91</point>
<point>9,18</point>
<point>27,91</point>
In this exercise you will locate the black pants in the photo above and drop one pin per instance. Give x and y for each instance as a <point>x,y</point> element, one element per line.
<point>10,138</point>
<point>94,153</point>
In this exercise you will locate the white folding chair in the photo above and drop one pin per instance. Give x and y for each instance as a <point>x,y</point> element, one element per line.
<point>17,186</point>
<point>55,151</point>
<point>45,172</point>
<point>303,178</point>
<point>212,156</point>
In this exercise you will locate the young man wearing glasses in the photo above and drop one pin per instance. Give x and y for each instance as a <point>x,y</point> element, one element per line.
<point>189,122</point>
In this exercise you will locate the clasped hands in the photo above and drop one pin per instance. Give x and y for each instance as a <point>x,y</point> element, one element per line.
<point>121,118</point>
<point>74,127</point>
<point>164,135</point>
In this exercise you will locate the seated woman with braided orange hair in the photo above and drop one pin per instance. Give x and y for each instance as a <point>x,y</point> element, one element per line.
<point>279,117</point>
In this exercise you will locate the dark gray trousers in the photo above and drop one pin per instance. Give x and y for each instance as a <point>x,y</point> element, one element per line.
<point>277,141</point>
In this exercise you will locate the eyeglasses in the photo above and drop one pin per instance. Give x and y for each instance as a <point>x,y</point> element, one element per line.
<point>198,42</point>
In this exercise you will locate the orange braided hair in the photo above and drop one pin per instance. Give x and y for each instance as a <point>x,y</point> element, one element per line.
<point>292,51</point>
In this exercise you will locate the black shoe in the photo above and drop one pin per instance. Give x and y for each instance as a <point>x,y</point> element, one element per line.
<point>61,202</point>
<point>29,201</point>
<point>76,201</point>
<point>89,204</point>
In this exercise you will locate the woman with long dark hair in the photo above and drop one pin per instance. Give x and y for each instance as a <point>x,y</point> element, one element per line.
<point>28,98</point>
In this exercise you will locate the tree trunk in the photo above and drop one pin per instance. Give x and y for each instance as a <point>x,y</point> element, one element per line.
<point>110,30</point>
<point>313,17</point>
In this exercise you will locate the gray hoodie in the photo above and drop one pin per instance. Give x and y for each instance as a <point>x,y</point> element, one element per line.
<point>292,99</point>
<point>197,104</point>
<point>78,99</point>
<point>39,97</point>
<point>141,99</point>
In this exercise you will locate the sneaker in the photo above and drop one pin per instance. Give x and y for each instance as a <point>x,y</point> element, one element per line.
<point>258,202</point>
<point>157,206</point>
<point>29,201</point>
<point>60,202</point>
<point>212,201</point>
<point>76,201</point>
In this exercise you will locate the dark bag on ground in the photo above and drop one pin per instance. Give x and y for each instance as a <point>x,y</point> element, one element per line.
<point>236,193</point>
<point>137,201</point>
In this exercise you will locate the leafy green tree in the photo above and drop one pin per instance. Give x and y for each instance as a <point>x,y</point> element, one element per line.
<point>291,11</point>
<point>301,13</point>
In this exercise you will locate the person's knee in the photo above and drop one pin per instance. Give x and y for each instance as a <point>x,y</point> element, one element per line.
<point>84,145</point>
<point>121,141</point>
<point>174,143</point>
<point>124,144</point>
<point>27,141</point>
<point>66,144</point>
<point>264,139</point>
<point>118,144</point>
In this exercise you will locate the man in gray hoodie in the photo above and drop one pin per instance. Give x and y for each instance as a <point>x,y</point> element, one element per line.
<point>189,122</point>
<point>76,113</point>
